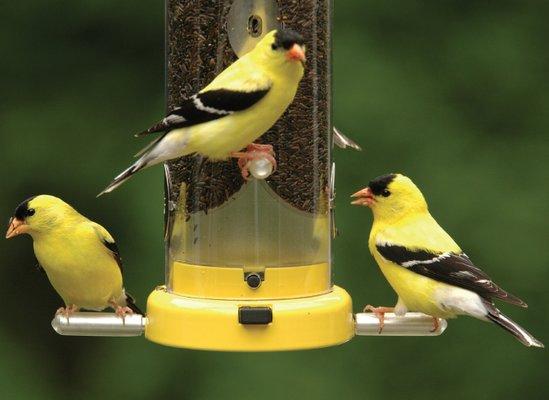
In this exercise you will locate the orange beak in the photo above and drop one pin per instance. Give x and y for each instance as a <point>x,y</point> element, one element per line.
<point>364,197</point>
<point>296,53</point>
<point>16,227</point>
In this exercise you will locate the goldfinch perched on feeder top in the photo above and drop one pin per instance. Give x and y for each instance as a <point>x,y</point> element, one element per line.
<point>427,269</point>
<point>79,256</point>
<point>236,108</point>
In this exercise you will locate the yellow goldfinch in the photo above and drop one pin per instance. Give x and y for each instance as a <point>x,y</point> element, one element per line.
<point>423,264</point>
<point>79,256</point>
<point>236,108</point>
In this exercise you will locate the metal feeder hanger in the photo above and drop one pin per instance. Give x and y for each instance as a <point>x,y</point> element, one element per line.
<point>248,264</point>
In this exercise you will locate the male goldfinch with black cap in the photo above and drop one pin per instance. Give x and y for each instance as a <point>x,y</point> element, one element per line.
<point>423,264</point>
<point>79,256</point>
<point>235,109</point>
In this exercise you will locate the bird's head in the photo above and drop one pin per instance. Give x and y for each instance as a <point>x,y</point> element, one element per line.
<point>282,47</point>
<point>391,196</point>
<point>38,214</point>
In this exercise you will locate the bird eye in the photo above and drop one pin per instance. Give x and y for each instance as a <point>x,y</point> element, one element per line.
<point>274,46</point>
<point>30,212</point>
<point>385,193</point>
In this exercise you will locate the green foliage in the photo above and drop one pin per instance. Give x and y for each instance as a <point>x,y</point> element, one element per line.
<point>453,94</point>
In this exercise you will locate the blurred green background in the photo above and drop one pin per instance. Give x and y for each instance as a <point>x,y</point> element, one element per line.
<point>452,93</point>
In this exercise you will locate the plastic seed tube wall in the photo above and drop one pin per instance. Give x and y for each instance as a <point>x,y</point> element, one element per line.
<point>252,252</point>
<point>218,219</point>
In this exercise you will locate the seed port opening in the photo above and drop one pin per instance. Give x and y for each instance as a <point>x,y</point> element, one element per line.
<point>255,25</point>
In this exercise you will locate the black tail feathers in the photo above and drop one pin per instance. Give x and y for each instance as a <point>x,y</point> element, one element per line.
<point>515,329</point>
<point>123,177</point>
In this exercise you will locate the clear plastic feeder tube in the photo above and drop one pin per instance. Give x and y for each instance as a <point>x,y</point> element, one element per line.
<point>214,217</point>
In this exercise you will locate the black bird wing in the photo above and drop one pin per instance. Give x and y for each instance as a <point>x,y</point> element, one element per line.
<point>108,241</point>
<point>451,268</point>
<point>111,246</point>
<point>208,106</point>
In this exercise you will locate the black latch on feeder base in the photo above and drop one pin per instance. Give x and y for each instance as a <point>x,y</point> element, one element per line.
<point>255,315</point>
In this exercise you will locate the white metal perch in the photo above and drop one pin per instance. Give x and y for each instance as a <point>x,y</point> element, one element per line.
<point>99,324</point>
<point>109,324</point>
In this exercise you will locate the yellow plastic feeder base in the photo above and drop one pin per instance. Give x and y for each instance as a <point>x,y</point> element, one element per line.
<point>232,325</point>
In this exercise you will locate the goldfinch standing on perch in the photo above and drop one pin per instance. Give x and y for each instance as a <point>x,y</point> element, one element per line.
<point>236,108</point>
<point>427,269</point>
<point>79,256</point>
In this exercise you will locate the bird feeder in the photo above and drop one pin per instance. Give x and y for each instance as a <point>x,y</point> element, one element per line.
<point>248,262</point>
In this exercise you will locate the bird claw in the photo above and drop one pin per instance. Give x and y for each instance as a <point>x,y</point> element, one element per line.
<point>254,151</point>
<point>436,324</point>
<point>123,311</point>
<point>66,311</point>
<point>379,312</point>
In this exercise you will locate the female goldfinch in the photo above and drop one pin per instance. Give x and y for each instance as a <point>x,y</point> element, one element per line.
<point>79,256</point>
<point>236,108</point>
<point>427,269</point>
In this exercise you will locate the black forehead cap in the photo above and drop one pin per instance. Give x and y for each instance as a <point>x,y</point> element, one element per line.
<point>286,38</point>
<point>21,210</point>
<point>379,184</point>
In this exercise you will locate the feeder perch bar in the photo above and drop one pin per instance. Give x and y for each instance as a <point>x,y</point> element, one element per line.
<point>110,324</point>
<point>99,324</point>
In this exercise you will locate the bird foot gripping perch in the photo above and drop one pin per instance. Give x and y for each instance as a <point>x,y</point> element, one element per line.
<point>411,324</point>
<point>380,313</point>
<point>122,312</point>
<point>66,311</point>
<point>259,159</point>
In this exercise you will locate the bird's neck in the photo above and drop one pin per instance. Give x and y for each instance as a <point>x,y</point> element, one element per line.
<point>292,70</point>
<point>388,217</point>
<point>55,228</point>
